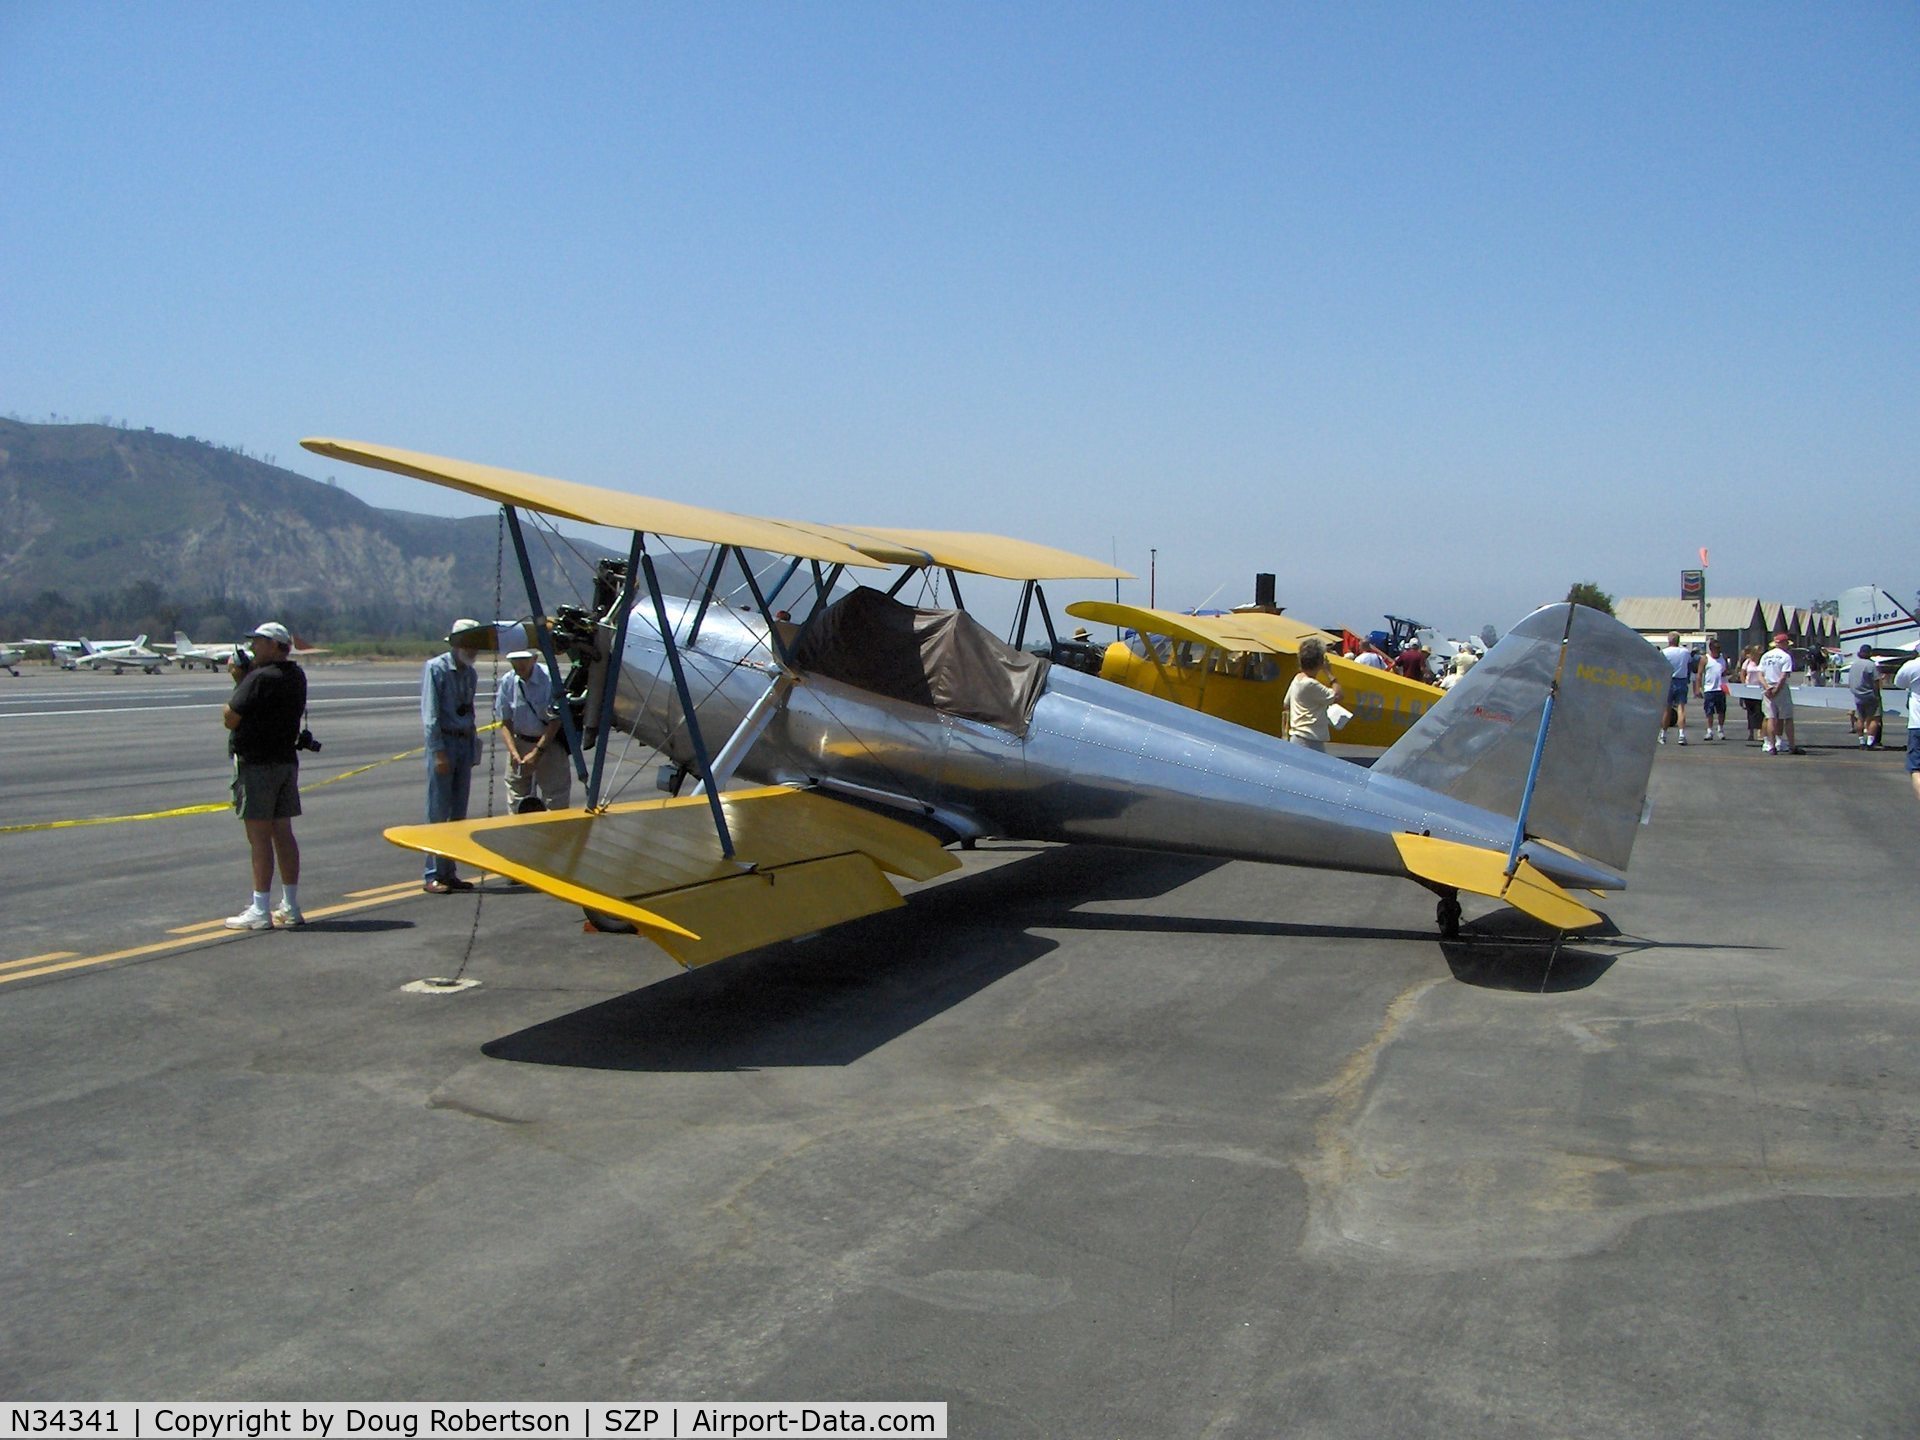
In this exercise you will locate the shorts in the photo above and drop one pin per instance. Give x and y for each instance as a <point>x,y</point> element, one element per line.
<point>1778,707</point>
<point>1677,692</point>
<point>1867,707</point>
<point>266,792</point>
<point>1913,749</point>
<point>1714,703</point>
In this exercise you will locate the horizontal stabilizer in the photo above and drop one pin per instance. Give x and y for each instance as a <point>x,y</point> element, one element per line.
<point>802,862</point>
<point>1483,872</point>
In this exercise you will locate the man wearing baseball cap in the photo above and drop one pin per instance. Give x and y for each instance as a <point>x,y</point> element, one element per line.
<point>537,759</point>
<point>1863,679</point>
<point>263,714</point>
<point>447,686</point>
<point>1776,698</point>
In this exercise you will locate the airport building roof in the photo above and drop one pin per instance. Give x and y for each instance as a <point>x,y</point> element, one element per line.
<point>1730,615</point>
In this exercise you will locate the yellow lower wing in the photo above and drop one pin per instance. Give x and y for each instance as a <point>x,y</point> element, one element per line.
<point>802,862</point>
<point>1483,872</point>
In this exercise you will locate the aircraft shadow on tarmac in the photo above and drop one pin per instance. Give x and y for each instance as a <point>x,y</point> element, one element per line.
<point>1506,950</point>
<point>833,998</point>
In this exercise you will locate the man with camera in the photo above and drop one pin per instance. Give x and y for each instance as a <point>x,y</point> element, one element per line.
<point>447,686</point>
<point>263,714</point>
<point>538,773</point>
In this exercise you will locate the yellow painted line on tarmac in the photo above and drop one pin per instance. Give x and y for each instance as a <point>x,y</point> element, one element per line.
<point>196,927</point>
<point>379,892</point>
<point>152,949</point>
<point>210,930</point>
<point>396,889</point>
<point>212,808</point>
<point>37,959</point>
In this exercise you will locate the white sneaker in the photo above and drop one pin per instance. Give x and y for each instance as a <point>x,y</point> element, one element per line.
<point>1663,737</point>
<point>288,917</point>
<point>251,918</point>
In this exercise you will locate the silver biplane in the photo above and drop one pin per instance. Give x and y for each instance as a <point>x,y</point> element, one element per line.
<point>871,735</point>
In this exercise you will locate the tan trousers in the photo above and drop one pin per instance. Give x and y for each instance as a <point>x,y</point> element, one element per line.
<point>550,777</point>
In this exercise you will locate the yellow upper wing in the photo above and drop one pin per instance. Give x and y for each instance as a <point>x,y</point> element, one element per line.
<point>801,862</point>
<point>597,506</point>
<point>997,555</point>
<point>1259,632</point>
<point>833,544</point>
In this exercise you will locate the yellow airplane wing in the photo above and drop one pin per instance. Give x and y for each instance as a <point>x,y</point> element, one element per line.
<point>802,862</point>
<point>1483,872</point>
<point>997,555</point>
<point>1261,633</point>
<point>597,506</point>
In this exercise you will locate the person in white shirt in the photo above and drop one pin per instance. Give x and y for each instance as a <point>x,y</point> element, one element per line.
<point>1371,657</point>
<point>537,759</point>
<point>1776,698</point>
<point>1907,678</point>
<point>1711,686</point>
<point>1680,659</point>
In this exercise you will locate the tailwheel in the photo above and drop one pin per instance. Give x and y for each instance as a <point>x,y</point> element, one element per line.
<point>1447,915</point>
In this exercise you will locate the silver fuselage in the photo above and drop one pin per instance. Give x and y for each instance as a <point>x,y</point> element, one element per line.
<point>1099,763</point>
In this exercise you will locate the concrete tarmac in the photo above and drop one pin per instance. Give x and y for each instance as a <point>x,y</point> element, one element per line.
<point>1080,1142</point>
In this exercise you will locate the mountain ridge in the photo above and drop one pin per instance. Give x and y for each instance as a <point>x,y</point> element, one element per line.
<point>101,524</point>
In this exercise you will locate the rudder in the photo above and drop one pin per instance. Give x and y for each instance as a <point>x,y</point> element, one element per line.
<point>1477,745</point>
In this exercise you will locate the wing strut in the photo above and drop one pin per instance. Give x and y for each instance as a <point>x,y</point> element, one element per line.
<point>545,638</point>
<point>1046,616</point>
<point>701,764</point>
<point>611,675</point>
<point>712,583</point>
<point>774,640</point>
<point>1026,606</point>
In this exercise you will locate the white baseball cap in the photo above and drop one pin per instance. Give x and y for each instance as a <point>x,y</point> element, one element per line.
<point>274,630</point>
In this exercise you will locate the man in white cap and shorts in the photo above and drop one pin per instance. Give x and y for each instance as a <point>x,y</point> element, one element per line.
<point>262,717</point>
<point>538,766</point>
<point>1776,698</point>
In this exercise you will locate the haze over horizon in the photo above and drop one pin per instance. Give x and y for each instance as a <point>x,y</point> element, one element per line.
<point>1428,312</point>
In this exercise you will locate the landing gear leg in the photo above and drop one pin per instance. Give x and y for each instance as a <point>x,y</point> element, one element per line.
<point>1447,914</point>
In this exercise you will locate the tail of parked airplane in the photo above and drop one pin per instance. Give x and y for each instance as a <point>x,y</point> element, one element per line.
<point>180,641</point>
<point>1870,616</point>
<point>1477,745</point>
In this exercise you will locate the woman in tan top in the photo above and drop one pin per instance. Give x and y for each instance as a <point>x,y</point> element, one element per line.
<point>1312,693</point>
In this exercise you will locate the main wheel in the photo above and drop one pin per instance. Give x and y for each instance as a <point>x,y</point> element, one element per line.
<point>1447,914</point>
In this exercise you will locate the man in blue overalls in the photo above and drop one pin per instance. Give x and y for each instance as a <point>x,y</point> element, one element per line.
<point>453,743</point>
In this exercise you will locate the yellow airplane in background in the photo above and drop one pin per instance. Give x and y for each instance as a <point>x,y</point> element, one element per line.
<point>1238,667</point>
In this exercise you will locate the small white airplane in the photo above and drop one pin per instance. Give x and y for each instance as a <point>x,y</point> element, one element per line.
<point>133,655</point>
<point>186,654</point>
<point>1870,616</point>
<point>10,659</point>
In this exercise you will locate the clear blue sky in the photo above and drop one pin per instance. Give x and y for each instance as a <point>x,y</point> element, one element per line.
<point>1431,309</point>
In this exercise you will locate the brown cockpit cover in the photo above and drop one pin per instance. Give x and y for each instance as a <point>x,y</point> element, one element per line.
<point>944,659</point>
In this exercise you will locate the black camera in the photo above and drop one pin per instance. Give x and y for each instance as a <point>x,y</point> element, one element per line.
<point>307,742</point>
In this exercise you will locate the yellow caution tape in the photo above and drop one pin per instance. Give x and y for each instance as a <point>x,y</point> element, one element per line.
<point>214,809</point>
